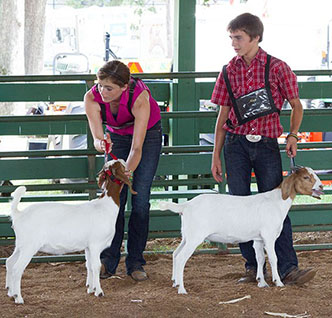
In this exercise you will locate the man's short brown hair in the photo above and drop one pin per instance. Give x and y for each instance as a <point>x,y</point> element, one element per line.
<point>249,23</point>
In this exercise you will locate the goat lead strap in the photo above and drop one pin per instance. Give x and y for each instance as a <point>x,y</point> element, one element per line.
<point>107,149</point>
<point>292,163</point>
<point>291,166</point>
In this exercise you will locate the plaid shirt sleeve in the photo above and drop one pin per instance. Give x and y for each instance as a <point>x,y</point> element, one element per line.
<point>287,82</point>
<point>220,95</point>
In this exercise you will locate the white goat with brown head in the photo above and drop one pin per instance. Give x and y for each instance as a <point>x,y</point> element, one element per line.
<point>234,219</point>
<point>59,228</point>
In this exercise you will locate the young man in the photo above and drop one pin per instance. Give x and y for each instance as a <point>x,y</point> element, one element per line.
<point>251,90</point>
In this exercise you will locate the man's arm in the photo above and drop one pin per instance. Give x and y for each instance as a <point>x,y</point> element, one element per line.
<point>295,123</point>
<point>219,139</point>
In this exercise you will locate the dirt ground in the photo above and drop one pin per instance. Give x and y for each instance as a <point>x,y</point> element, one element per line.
<point>58,290</point>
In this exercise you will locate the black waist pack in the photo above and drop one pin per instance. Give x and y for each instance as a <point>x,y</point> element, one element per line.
<point>253,105</point>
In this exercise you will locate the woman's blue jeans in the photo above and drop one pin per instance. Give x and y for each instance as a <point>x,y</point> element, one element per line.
<point>138,226</point>
<point>263,157</point>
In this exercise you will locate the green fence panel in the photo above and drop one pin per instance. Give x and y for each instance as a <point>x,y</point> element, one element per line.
<point>44,168</point>
<point>43,125</point>
<point>69,92</point>
<point>36,92</point>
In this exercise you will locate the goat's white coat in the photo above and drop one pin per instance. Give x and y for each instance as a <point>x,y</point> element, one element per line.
<point>58,228</point>
<point>232,219</point>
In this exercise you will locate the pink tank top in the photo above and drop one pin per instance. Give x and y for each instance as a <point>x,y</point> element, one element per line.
<point>124,116</point>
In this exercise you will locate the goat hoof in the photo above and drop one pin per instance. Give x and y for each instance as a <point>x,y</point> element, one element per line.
<point>100,294</point>
<point>279,284</point>
<point>263,284</point>
<point>18,299</point>
<point>90,290</point>
<point>182,291</point>
<point>10,294</point>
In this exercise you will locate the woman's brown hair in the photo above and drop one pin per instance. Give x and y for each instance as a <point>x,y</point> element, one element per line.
<point>116,71</point>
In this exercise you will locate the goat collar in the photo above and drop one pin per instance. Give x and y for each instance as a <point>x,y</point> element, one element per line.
<point>109,172</point>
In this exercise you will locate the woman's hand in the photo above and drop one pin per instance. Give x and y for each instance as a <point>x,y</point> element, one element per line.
<point>104,145</point>
<point>129,174</point>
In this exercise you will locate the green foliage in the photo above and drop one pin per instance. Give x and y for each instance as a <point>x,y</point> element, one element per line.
<point>3,71</point>
<point>77,4</point>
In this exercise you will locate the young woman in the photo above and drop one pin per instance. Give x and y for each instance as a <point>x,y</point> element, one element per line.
<point>133,122</point>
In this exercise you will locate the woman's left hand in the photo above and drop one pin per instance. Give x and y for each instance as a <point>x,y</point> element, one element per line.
<point>129,174</point>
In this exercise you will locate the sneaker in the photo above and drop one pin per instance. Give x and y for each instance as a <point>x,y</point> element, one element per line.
<point>139,275</point>
<point>249,277</point>
<point>299,276</point>
<point>104,274</point>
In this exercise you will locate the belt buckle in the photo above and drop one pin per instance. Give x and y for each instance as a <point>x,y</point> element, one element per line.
<point>254,138</point>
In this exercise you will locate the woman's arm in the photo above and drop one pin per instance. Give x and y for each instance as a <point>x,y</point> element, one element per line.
<point>92,110</point>
<point>141,112</point>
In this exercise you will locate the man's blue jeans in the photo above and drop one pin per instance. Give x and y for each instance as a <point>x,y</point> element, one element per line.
<point>138,226</point>
<point>263,157</point>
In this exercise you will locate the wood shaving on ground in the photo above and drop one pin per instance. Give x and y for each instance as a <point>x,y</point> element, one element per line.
<point>234,300</point>
<point>284,315</point>
<point>117,277</point>
<point>136,300</point>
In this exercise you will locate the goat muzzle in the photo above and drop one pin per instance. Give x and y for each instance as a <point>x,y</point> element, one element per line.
<point>316,193</point>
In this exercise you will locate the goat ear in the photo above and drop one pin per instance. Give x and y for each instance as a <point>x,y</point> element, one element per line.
<point>101,178</point>
<point>119,173</point>
<point>287,186</point>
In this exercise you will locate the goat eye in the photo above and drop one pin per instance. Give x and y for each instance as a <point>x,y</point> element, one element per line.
<point>306,178</point>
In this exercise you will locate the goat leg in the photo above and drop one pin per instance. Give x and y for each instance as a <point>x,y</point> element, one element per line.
<point>260,258</point>
<point>269,246</point>
<point>95,264</point>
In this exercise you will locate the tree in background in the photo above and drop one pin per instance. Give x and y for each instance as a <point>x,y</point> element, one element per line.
<point>22,28</point>
<point>11,28</point>
<point>34,30</point>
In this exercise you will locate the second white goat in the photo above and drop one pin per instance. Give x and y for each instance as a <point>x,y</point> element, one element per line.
<point>58,228</point>
<point>235,219</point>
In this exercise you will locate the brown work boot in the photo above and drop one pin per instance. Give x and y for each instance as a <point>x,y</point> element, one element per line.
<point>299,276</point>
<point>249,277</point>
<point>104,274</point>
<point>139,275</point>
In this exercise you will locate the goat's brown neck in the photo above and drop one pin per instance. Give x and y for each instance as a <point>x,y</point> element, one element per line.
<point>113,190</point>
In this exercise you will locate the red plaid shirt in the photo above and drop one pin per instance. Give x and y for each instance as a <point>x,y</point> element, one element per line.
<point>245,79</point>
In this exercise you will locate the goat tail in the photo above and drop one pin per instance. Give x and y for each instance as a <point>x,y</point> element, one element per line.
<point>174,207</point>
<point>17,195</point>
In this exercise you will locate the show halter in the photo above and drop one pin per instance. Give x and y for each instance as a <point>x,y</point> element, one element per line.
<point>108,171</point>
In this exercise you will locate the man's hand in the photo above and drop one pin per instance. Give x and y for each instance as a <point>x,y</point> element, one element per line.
<point>216,170</point>
<point>291,147</point>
